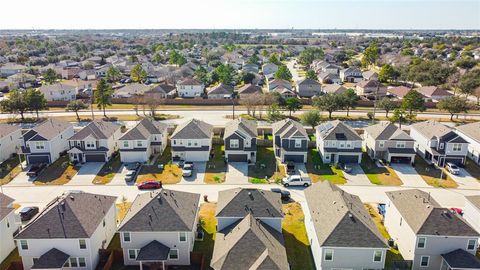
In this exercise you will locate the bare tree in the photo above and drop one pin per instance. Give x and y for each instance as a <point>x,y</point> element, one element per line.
<point>251,102</point>
<point>153,104</point>
<point>136,100</point>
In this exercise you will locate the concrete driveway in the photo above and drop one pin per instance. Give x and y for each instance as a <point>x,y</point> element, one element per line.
<point>86,174</point>
<point>301,169</point>
<point>197,175</point>
<point>119,178</point>
<point>21,179</point>
<point>409,175</point>
<point>465,180</point>
<point>357,176</point>
<point>237,173</point>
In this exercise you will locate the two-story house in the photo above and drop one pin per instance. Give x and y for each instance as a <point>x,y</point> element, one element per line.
<point>386,141</point>
<point>220,91</point>
<point>10,141</point>
<point>290,141</point>
<point>434,92</point>
<point>69,232</point>
<point>471,133</point>
<point>471,212</point>
<point>94,143</point>
<point>190,88</point>
<point>59,92</point>
<point>269,69</point>
<point>351,74</point>
<point>341,232</point>
<point>249,231</point>
<point>278,84</point>
<point>438,143</point>
<point>10,69</point>
<point>240,140</point>
<point>138,144</point>
<point>308,88</point>
<point>8,226</point>
<point>45,142</point>
<point>371,89</point>
<point>160,228</point>
<point>338,143</point>
<point>192,141</point>
<point>423,230</point>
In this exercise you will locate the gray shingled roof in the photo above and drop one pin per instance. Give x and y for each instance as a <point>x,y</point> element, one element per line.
<point>244,126</point>
<point>387,131</point>
<point>96,129</point>
<point>221,89</point>
<point>432,128</point>
<point>144,129</point>
<point>162,211</point>
<point>307,82</point>
<point>74,215</point>
<point>52,259</point>
<point>6,129</point>
<point>249,244</point>
<point>425,216</point>
<point>336,130</point>
<point>49,129</point>
<point>193,129</point>
<point>475,200</point>
<point>189,81</point>
<point>340,219</point>
<point>250,89</point>
<point>56,87</point>
<point>153,251</point>
<point>471,130</point>
<point>240,202</point>
<point>288,128</point>
<point>461,259</point>
<point>5,207</point>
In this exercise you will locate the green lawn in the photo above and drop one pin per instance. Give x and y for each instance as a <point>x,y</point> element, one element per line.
<point>171,173</point>
<point>108,170</point>
<point>58,173</point>
<point>431,175</point>
<point>317,171</point>
<point>265,167</point>
<point>208,222</point>
<point>266,137</point>
<point>312,138</point>
<point>9,169</point>
<point>216,167</point>
<point>379,175</point>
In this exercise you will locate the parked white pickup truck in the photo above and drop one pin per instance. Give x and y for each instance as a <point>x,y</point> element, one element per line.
<point>296,180</point>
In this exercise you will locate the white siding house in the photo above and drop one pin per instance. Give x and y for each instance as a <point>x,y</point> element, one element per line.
<point>472,211</point>
<point>190,88</point>
<point>471,133</point>
<point>8,226</point>
<point>192,141</point>
<point>10,141</point>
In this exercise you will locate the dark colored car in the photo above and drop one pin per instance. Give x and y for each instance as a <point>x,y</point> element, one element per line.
<point>133,166</point>
<point>290,167</point>
<point>36,169</point>
<point>150,185</point>
<point>188,164</point>
<point>284,194</point>
<point>28,213</point>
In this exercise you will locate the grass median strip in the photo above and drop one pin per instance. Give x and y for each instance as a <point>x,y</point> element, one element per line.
<point>318,171</point>
<point>265,169</point>
<point>108,171</point>
<point>216,167</point>
<point>433,176</point>
<point>58,173</point>
<point>379,175</point>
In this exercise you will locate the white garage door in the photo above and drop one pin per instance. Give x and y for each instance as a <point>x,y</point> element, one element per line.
<point>127,157</point>
<point>197,156</point>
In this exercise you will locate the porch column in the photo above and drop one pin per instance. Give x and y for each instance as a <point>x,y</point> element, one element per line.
<point>163,265</point>
<point>141,265</point>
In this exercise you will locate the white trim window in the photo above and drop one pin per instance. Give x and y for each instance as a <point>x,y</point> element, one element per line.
<point>328,256</point>
<point>442,145</point>
<point>126,237</point>
<point>24,244</point>
<point>472,244</point>
<point>90,144</point>
<point>82,243</point>
<point>298,143</point>
<point>381,144</point>
<point>377,256</point>
<point>132,254</point>
<point>139,143</point>
<point>424,261</point>
<point>422,242</point>
<point>234,143</point>
<point>126,144</point>
<point>348,144</point>
<point>341,145</point>
<point>457,147</point>
<point>173,254</point>
<point>401,144</point>
<point>182,237</point>
<point>39,145</point>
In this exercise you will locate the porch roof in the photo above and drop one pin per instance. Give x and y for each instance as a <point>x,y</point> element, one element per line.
<point>153,252</point>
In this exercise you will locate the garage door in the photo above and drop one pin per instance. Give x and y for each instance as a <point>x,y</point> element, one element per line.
<point>294,158</point>
<point>237,158</point>
<point>127,156</point>
<point>457,161</point>
<point>196,156</point>
<point>400,159</point>
<point>94,157</point>
<point>347,159</point>
<point>38,159</point>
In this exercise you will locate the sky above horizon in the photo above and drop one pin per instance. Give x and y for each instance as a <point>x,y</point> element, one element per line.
<point>240,14</point>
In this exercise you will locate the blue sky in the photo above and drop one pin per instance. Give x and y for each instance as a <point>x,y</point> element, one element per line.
<point>235,14</point>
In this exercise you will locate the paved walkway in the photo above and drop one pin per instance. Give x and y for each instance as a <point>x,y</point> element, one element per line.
<point>197,175</point>
<point>86,174</point>
<point>357,176</point>
<point>237,173</point>
<point>465,180</point>
<point>409,175</point>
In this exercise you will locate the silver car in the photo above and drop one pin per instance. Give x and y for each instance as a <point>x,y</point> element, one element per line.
<point>452,168</point>
<point>187,170</point>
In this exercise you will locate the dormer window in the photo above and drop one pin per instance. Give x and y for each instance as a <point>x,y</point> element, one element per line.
<point>400,144</point>
<point>442,145</point>
<point>90,144</point>
<point>298,143</point>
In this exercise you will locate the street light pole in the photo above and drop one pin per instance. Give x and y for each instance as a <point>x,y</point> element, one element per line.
<point>375,103</point>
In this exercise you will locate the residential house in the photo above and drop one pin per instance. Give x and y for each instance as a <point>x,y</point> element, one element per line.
<point>59,92</point>
<point>269,70</point>
<point>161,91</point>
<point>277,83</point>
<point>399,92</point>
<point>370,75</point>
<point>471,134</point>
<point>10,69</point>
<point>45,142</point>
<point>434,92</point>
<point>138,144</point>
<point>160,228</point>
<point>8,226</point>
<point>333,89</point>
<point>471,212</point>
<point>250,68</point>
<point>329,78</point>
<point>386,141</point>
<point>338,143</point>
<point>340,227</point>
<point>131,89</point>
<point>22,80</point>
<point>192,141</point>
<point>249,89</point>
<point>220,91</point>
<point>351,74</point>
<point>190,88</point>
<point>438,143</point>
<point>290,141</point>
<point>308,88</point>
<point>459,259</point>
<point>94,143</point>
<point>329,68</point>
<point>285,92</point>
<point>240,139</point>
<point>10,141</point>
<point>69,232</point>
<point>424,231</point>
<point>371,88</point>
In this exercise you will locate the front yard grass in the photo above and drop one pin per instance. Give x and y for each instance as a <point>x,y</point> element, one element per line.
<point>317,171</point>
<point>431,175</point>
<point>9,169</point>
<point>265,169</point>
<point>216,166</point>
<point>473,169</point>
<point>12,257</point>
<point>171,173</point>
<point>58,173</point>
<point>122,210</point>
<point>208,223</point>
<point>108,170</point>
<point>299,254</point>
<point>379,175</point>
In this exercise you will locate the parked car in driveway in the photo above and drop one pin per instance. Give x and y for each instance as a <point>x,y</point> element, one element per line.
<point>187,169</point>
<point>452,168</point>
<point>296,180</point>
<point>284,194</point>
<point>152,184</point>
<point>133,166</point>
<point>28,213</point>
<point>290,167</point>
<point>36,169</point>
<point>131,175</point>
<point>346,167</point>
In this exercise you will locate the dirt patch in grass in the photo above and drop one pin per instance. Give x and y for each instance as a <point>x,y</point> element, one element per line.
<point>266,169</point>
<point>473,169</point>
<point>208,223</point>
<point>216,166</point>
<point>317,171</point>
<point>9,169</point>
<point>58,173</point>
<point>122,210</point>
<point>379,175</point>
<point>171,173</point>
<point>433,176</point>
<point>108,170</point>
<point>299,254</point>
<point>12,257</point>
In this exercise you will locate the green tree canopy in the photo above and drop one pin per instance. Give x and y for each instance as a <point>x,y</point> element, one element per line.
<point>292,104</point>
<point>16,103</point>
<point>75,106</point>
<point>388,105</point>
<point>370,55</point>
<point>176,58</point>
<point>470,81</point>
<point>413,101</point>
<point>309,55</point>
<point>274,60</point>
<point>387,73</point>
<point>113,74</point>
<point>36,100</point>
<point>310,74</point>
<point>349,100</point>
<point>103,95</point>
<point>138,74</point>
<point>329,102</point>
<point>283,73</point>
<point>453,105</point>
<point>225,74</point>
<point>50,76</point>
<point>311,118</point>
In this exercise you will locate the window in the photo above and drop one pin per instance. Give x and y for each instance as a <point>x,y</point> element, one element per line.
<point>174,142</point>
<point>104,223</point>
<point>90,144</point>
<point>401,219</point>
<point>183,237</point>
<point>457,147</point>
<point>126,237</point>
<point>400,144</point>
<point>35,260</point>
<point>82,243</point>
<point>298,143</point>
<point>189,143</point>
<point>173,255</point>
<point>441,146</point>
<point>234,143</point>
<point>82,262</point>
<point>24,244</point>
<point>132,254</point>
<point>472,244</point>
<point>381,144</point>
<point>8,224</point>
<point>139,143</point>
<point>349,144</point>
<point>328,255</point>
<point>73,262</point>
<point>341,145</point>
<point>421,242</point>
<point>125,143</point>
<point>39,145</point>
<point>377,256</point>
<point>424,260</point>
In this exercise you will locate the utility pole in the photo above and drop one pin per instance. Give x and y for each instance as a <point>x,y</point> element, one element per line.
<point>91,106</point>
<point>375,102</point>
<point>233,105</point>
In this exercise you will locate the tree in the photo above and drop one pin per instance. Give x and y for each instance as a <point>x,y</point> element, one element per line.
<point>329,102</point>
<point>400,116</point>
<point>470,81</point>
<point>273,113</point>
<point>466,63</point>
<point>201,74</point>
<point>283,73</point>
<point>157,58</point>
<point>75,106</point>
<point>50,76</point>
<point>453,105</point>
<point>16,103</point>
<point>413,101</point>
<point>370,55</point>
<point>311,118</point>
<point>349,100</point>
<point>387,73</point>
<point>251,102</point>
<point>310,74</point>
<point>292,104</point>
<point>428,72</point>
<point>138,74</point>
<point>113,74</point>
<point>176,58</point>
<point>253,59</point>
<point>136,100</point>
<point>308,55</point>
<point>225,74</point>
<point>274,60</point>
<point>103,95</point>
<point>387,104</point>
<point>36,100</point>
<point>247,77</point>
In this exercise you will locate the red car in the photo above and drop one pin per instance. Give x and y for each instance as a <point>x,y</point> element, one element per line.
<point>150,185</point>
<point>457,210</point>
